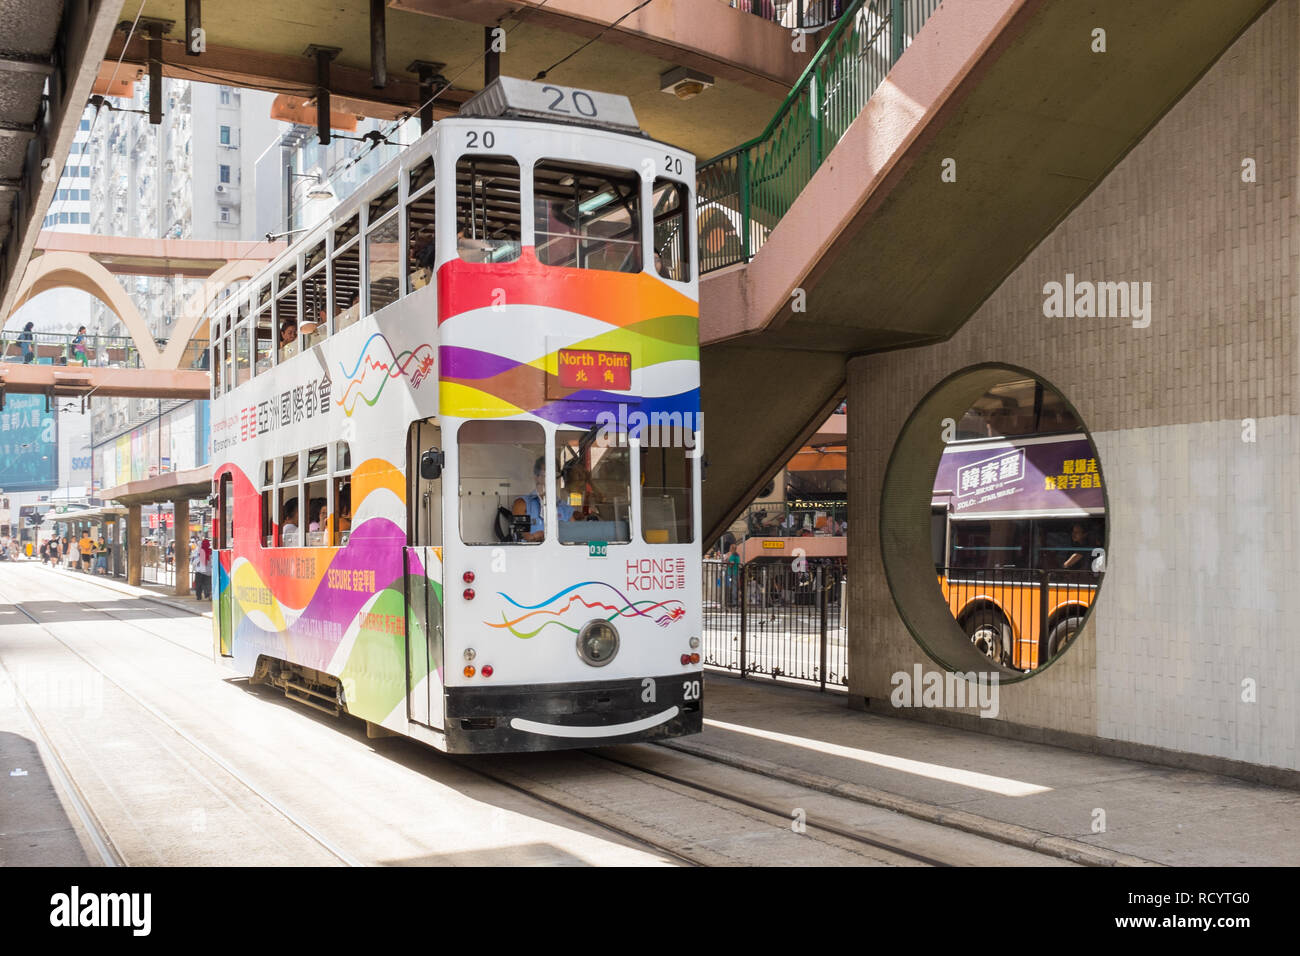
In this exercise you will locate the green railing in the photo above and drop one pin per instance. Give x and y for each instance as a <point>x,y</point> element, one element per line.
<point>742,194</point>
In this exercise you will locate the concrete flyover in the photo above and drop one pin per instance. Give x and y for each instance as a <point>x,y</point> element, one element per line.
<point>887,253</point>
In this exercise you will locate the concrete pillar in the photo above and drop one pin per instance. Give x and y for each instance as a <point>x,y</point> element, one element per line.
<point>181,532</point>
<point>133,545</point>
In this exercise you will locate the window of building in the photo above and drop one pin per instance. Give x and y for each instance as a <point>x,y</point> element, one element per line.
<point>84,124</point>
<point>224,172</point>
<point>666,498</point>
<point>587,217</point>
<point>85,219</point>
<point>225,136</point>
<point>487,209</point>
<point>85,170</point>
<point>420,223</point>
<point>594,487</point>
<point>503,482</point>
<point>225,96</point>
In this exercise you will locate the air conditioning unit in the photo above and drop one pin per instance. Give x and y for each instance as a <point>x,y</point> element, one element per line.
<point>222,188</point>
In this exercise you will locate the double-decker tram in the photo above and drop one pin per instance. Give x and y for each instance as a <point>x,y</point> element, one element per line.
<point>456,435</point>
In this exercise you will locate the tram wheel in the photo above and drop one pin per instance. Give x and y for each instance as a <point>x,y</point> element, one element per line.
<point>1062,634</point>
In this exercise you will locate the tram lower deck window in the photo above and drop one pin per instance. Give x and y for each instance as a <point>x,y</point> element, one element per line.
<point>594,487</point>
<point>666,482</point>
<point>503,482</point>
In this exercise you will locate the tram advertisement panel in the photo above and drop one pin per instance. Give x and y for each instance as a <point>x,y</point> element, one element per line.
<point>1036,475</point>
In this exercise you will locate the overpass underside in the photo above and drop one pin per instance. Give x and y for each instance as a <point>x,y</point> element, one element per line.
<point>96,382</point>
<point>997,121</point>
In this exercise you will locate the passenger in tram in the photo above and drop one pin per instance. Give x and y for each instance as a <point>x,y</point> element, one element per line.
<point>344,517</point>
<point>289,524</point>
<point>472,250</point>
<point>288,337</point>
<point>422,256</point>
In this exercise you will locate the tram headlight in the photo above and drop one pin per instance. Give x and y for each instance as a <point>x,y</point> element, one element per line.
<point>598,643</point>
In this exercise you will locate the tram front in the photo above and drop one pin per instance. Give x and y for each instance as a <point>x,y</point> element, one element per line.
<point>569,410</point>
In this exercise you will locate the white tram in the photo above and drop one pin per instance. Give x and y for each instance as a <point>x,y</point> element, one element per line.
<point>456,439</point>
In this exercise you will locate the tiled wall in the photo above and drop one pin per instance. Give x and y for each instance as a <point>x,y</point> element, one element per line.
<point>1203,575</point>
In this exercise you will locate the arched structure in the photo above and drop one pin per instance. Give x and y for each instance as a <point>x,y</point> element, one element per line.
<point>70,270</point>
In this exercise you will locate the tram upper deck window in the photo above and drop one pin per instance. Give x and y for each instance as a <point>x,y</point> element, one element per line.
<point>666,498</point>
<point>587,217</point>
<point>346,269</point>
<point>503,482</point>
<point>217,379</point>
<point>382,264</point>
<point>263,340</point>
<point>241,354</point>
<point>314,309</point>
<point>420,223</point>
<point>286,312</point>
<point>671,237</point>
<point>594,476</point>
<point>487,209</point>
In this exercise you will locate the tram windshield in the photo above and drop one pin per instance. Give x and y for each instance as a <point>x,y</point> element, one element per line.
<point>594,488</point>
<point>587,217</point>
<point>502,482</point>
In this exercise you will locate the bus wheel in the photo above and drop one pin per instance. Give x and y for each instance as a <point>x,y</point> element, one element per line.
<point>1062,633</point>
<point>991,636</point>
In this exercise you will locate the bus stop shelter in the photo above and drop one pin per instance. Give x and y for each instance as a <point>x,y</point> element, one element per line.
<point>104,515</point>
<point>176,488</point>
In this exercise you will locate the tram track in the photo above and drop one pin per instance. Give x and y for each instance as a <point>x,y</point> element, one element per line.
<point>96,830</point>
<point>596,816</point>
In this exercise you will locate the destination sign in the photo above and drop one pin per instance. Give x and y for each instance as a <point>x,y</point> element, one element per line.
<point>582,368</point>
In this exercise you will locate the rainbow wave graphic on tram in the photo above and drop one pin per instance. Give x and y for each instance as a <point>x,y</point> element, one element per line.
<point>663,613</point>
<point>488,369</point>
<point>385,365</point>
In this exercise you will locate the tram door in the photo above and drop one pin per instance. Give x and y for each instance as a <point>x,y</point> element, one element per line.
<point>424,574</point>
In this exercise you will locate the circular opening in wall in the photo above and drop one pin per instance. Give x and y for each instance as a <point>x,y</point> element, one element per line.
<point>993,523</point>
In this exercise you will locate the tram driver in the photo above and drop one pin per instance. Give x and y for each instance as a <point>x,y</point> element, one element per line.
<point>533,505</point>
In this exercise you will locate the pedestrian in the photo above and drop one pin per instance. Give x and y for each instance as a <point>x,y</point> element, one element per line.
<point>201,564</point>
<point>733,576</point>
<point>87,548</point>
<point>25,343</point>
<point>79,345</point>
<point>101,557</point>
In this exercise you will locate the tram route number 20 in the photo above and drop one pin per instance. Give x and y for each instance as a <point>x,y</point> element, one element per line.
<point>690,690</point>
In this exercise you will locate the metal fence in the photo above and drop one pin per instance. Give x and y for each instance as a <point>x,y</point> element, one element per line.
<point>104,351</point>
<point>742,194</point>
<point>767,619</point>
<point>1019,617</point>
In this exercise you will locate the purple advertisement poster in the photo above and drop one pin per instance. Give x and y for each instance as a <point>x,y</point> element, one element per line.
<point>1032,475</point>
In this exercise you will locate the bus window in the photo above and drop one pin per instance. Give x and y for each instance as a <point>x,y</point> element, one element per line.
<point>341,487</point>
<point>503,482</point>
<point>286,312</point>
<point>672,245</point>
<point>1003,543</point>
<point>594,491</point>
<point>1069,544</point>
<point>587,217</point>
<point>487,209</point>
<point>315,321</point>
<point>346,267</point>
<point>420,223</point>
<point>666,499</point>
<point>268,503</point>
<point>381,265</point>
